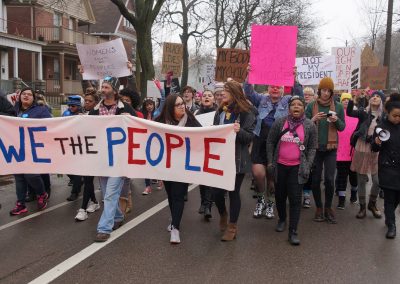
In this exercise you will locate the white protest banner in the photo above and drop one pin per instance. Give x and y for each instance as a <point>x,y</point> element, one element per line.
<point>206,119</point>
<point>348,64</point>
<point>310,70</point>
<point>103,59</point>
<point>118,146</point>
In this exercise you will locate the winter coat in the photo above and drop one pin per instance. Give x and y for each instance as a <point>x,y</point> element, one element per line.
<point>264,105</point>
<point>364,121</point>
<point>389,156</point>
<point>244,137</point>
<point>34,111</point>
<point>306,156</point>
<point>122,108</point>
<point>203,110</point>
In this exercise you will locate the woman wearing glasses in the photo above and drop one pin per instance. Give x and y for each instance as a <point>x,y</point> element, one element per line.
<point>174,112</point>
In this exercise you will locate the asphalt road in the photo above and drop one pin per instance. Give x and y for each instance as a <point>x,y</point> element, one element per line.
<point>52,246</point>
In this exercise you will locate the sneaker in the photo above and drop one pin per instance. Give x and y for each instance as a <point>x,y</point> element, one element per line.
<point>72,197</point>
<point>175,239</point>
<point>92,206</point>
<point>160,184</point>
<point>70,183</point>
<point>353,197</point>
<point>260,207</point>
<point>42,201</point>
<point>381,194</point>
<point>307,202</point>
<point>19,209</point>
<point>269,211</point>
<point>341,203</point>
<point>147,190</point>
<point>169,228</point>
<point>82,215</point>
<point>330,216</point>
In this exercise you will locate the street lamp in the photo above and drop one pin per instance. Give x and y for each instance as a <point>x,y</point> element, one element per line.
<point>345,41</point>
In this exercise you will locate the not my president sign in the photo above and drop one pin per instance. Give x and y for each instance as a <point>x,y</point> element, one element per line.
<point>310,70</point>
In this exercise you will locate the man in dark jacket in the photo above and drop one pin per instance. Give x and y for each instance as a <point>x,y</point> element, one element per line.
<point>112,216</point>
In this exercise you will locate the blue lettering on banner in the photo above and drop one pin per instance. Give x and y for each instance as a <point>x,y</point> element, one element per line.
<point>112,142</point>
<point>12,152</point>
<point>148,148</point>
<point>188,167</point>
<point>34,145</point>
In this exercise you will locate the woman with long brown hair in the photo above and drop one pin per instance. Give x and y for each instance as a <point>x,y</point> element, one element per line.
<point>235,109</point>
<point>174,112</point>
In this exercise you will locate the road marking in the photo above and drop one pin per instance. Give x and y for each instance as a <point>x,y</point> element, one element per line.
<point>8,225</point>
<point>74,260</point>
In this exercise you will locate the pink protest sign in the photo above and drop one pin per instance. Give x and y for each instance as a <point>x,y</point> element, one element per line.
<point>273,55</point>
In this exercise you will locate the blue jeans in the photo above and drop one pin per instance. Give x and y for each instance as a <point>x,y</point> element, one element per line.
<point>111,212</point>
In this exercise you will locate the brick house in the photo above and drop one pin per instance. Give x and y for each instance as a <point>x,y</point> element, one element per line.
<point>56,24</point>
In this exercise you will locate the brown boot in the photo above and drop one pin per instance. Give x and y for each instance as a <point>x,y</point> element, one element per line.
<point>372,207</point>
<point>362,213</point>
<point>123,203</point>
<point>129,205</point>
<point>319,216</point>
<point>230,233</point>
<point>223,222</point>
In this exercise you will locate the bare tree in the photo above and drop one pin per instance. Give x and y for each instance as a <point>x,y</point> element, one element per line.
<point>187,16</point>
<point>146,12</point>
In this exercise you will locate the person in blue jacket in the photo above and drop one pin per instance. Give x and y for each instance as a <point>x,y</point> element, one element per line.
<point>27,107</point>
<point>74,103</point>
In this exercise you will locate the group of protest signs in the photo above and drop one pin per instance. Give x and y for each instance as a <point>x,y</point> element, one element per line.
<point>137,148</point>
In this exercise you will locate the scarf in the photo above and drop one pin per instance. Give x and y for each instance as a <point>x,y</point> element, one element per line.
<point>295,122</point>
<point>181,122</point>
<point>228,110</point>
<point>332,131</point>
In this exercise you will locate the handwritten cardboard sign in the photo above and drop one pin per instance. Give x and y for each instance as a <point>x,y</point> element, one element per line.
<point>348,64</point>
<point>118,146</point>
<point>172,58</point>
<point>273,55</point>
<point>104,59</point>
<point>231,63</point>
<point>310,70</point>
<point>208,73</point>
<point>368,57</point>
<point>374,77</point>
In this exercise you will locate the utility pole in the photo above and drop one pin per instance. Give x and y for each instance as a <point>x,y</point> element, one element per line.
<point>388,42</point>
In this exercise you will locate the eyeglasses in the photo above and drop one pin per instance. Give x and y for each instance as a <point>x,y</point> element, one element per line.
<point>27,94</point>
<point>180,104</point>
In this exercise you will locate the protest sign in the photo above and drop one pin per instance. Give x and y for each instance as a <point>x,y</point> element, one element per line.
<point>310,70</point>
<point>231,63</point>
<point>373,77</point>
<point>103,59</point>
<point>13,98</point>
<point>348,64</point>
<point>118,146</point>
<point>368,57</point>
<point>152,90</point>
<point>206,119</point>
<point>209,75</point>
<point>273,55</point>
<point>172,58</point>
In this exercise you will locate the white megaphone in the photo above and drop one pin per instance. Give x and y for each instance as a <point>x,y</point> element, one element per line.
<point>383,134</point>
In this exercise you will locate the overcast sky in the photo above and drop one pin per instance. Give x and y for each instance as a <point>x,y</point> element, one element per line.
<point>344,21</point>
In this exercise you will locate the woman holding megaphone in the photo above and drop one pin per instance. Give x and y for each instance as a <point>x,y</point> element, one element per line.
<point>365,162</point>
<point>387,142</point>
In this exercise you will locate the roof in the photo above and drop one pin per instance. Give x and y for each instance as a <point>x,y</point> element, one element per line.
<point>80,10</point>
<point>107,16</point>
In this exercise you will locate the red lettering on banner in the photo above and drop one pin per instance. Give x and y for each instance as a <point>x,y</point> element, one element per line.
<point>132,146</point>
<point>170,146</point>
<point>208,156</point>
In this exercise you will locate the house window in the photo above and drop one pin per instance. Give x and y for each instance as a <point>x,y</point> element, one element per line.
<point>56,69</point>
<point>127,24</point>
<point>57,19</point>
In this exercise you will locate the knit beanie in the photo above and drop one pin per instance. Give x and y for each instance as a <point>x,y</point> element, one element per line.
<point>345,96</point>
<point>113,81</point>
<point>379,93</point>
<point>326,83</point>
